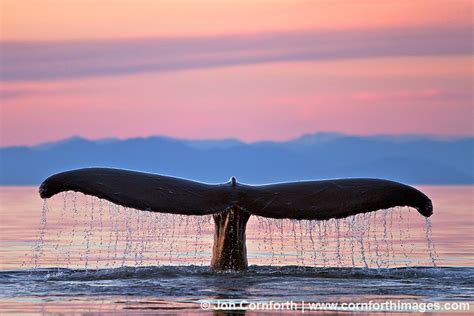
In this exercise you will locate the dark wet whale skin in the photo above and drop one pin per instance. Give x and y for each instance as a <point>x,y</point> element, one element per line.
<point>318,200</point>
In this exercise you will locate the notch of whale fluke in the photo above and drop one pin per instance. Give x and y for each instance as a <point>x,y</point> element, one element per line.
<point>232,203</point>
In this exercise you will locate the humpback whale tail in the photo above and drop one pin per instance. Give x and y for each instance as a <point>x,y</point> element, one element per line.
<point>232,203</point>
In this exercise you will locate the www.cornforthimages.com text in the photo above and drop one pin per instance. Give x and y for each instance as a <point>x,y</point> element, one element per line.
<point>302,306</point>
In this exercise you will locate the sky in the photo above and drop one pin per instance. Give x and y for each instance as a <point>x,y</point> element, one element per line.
<point>252,70</point>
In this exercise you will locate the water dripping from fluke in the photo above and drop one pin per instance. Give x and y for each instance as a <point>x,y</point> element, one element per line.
<point>429,241</point>
<point>129,230</point>
<point>38,249</point>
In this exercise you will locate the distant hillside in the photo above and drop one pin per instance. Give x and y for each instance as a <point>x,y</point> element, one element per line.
<point>410,159</point>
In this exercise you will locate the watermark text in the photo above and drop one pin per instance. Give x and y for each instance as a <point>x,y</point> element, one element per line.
<point>370,306</point>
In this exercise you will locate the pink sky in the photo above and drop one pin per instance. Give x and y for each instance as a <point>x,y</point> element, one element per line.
<point>244,69</point>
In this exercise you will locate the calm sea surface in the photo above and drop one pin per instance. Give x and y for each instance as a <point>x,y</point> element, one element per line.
<point>78,253</point>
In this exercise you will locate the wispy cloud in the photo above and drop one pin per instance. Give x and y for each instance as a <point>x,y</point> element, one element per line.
<point>14,89</point>
<point>57,60</point>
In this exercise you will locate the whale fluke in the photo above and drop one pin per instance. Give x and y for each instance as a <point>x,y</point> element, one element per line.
<point>317,200</point>
<point>232,203</point>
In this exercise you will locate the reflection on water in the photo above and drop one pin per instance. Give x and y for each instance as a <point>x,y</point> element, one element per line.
<point>102,249</point>
<point>185,286</point>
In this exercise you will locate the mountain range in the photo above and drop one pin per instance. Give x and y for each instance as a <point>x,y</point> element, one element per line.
<point>414,159</point>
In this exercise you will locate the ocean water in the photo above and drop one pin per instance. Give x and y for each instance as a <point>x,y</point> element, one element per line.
<point>78,253</point>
